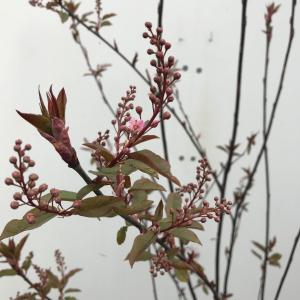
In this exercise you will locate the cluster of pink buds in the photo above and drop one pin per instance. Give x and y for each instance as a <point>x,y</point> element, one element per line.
<point>162,93</point>
<point>271,10</point>
<point>160,264</point>
<point>31,193</point>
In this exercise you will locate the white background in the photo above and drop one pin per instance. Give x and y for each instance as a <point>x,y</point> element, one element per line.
<point>37,50</point>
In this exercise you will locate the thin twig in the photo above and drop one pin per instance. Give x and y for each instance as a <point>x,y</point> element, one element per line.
<point>262,149</point>
<point>191,289</point>
<point>286,270</point>
<point>266,159</point>
<point>233,136</point>
<point>154,288</point>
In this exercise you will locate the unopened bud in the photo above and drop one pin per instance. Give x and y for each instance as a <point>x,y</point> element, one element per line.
<point>166,115</point>
<point>77,203</point>
<point>13,160</point>
<point>8,181</point>
<point>14,204</point>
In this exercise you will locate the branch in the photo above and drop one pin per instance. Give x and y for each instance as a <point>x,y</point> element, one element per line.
<point>266,137</point>
<point>288,265</point>
<point>234,134</point>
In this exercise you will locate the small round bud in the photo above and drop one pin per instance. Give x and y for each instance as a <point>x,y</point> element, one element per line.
<point>26,159</point>
<point>9,181</point>
<point>159,30</point>
<point>167,45</point>
<point>28,147</point>
<point>166,115</point>
<point>145,35</point>
<point>13,160</point>
<point>77,203</point>
<point>171,60</point>
<point>33,177</point>
<point>159,54</point>
<point>17,148</point>
<point>203,220</point>
<point>43,187</point>
<point>148,25</point>
<point>177,76</point>
<point>54,192</point>
<point>16,175</point>
<point>30,217</point>
<point>31,163</point>
<point>153,63</point>
<point>139,110</point>
<point>150,51</point>
<point>113,122</point>
<point>170,98</point>
<point>169,91</point>
<point>14,204</point>
<point>18,142</point>
<point>17,196</point>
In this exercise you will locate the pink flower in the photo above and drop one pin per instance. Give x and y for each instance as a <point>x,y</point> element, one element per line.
<point>135,125</point>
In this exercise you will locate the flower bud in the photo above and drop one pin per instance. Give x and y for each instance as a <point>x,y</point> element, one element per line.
<point>177,75</point>
<point>31,219</point>
<point>54,192</point>
<point>18,142</point>
<point>139,110</point>
<point>28,147</point>
<point>33,177</point>
<point>8,181</point>
<point>77,203</point>
<point>17,196</point>
<point>13,160</point>
<point>14,204</point>
<point>145,35</point>
<point>148,25</point>
<point>166,115</point>
<point>43,187</point>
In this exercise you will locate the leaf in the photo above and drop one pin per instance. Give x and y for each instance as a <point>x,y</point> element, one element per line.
<point>259,246</point>
<point>15,226</point>
<point>107,16</point>
<point>53,280</point>
<point>72,290</point>
<point>105,23</point>
<point>87,189</point>
<point>147,185</point>
<point>145,138</point>
<point>182,275</point>
<point>63,16</point>
<point>179,264</point>
<point>173,201</point>
<point>140,244</point>
<point>134,208</point>
<point>274,259</point>
<point>38,121</point>
<point>7,272</point>
<point>159,211</point>
<point>185,235</point>
<point>256,254</point>
<point>155,162</point>
<point>99,206</point>
<point>146,255</point>
<point>141,167</point>
<point>100,150</point>
<point>121,235</point>
<point>196,225</point>
<point>20,246</point>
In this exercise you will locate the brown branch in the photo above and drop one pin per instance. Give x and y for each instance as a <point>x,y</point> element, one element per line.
<point>297,238</point>
<point>233,136</point>
<point>266,137</point>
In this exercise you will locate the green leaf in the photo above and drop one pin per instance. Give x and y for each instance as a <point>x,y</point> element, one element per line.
<point>140,244</point>
<point>64,196</point>
<point>179,264</point>
<point>100,150</point>
<point>87,189</point>
<point>7,272</point>
<point>185,235</point>
<point>145,256</point>
<point>182,275</point>
<point>138,165</point>
<point>15,226</point>
<point>256,254</point>
<point>134,208</point>
<point>259,246</point>
<point>20,246</point>
<point>63,16</point>
<point>155,162</point>
<point>147,185</point>
<point>121,235</point>
<point>274,259</point>
<point>99,206</point>
<point>107,16</point>
<point>53,280</point>
<point>38,121</point>
<point>196,225</point>
<point>72,290</point>
<point>173,201</point>
<point>159,211</point>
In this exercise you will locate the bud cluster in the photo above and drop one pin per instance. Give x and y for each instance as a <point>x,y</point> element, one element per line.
<point>31,194</point>
<point>162,93</point>
<point>160,264</point>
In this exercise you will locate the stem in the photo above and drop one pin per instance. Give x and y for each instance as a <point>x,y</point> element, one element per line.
<point>266,137</point>
<point>288,265</point>
<point>267,169</point>
<point>154,289</point>
<point>233,136</point>
<point>191,289</point>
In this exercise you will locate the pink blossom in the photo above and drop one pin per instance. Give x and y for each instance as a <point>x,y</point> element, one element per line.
<point>135,125</point>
